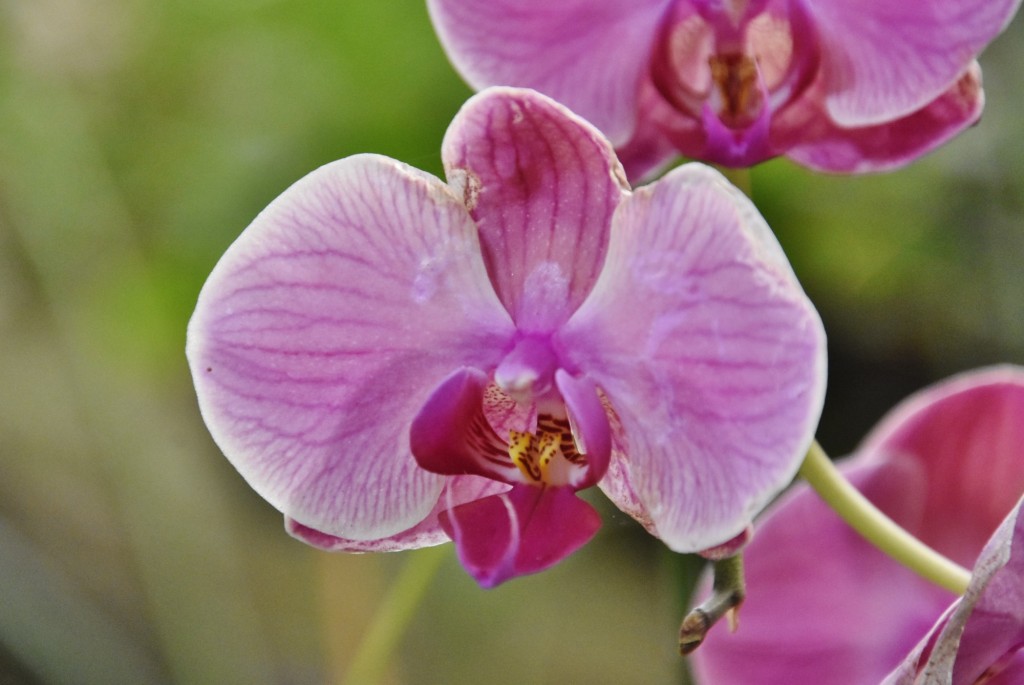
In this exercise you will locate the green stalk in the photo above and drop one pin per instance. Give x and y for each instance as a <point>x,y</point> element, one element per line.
<point>728,593</point>
<point>394,615</point>
<point>877,528</point>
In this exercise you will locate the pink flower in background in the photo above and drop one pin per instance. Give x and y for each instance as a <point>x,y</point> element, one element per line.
<point>836,85</point>
<point>824,607</point>
<point>393,361</point>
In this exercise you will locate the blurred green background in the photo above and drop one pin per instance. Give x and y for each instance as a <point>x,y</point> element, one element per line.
<point>139,137</point>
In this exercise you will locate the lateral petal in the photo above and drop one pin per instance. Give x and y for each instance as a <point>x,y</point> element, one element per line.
<point>322,330</point>
<point>893,144</point>
<point>542,185</point>
<point>709,352</point>
<point>884,60</point>
<point>588,54</point>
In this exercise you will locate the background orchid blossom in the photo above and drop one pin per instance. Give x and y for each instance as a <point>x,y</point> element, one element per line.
<point>835,85</point>
<point>391,360</point>
<point>825,607</point>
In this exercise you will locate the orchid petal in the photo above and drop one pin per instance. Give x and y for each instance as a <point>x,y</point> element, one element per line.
<point>426,533</point>
<point>968,433</point>
<point>985,629</point>
<point>523,531</point>
<point>451,434</point>
<point>322,329</point>
<point>542,185</point>
<point>884,60</point>
<point>892,144</point>
<point>709,352</point>
<point>588,54</point>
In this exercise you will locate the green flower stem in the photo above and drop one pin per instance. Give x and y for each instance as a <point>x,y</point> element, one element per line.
<point>394,615</point>
<point>727,594</point>
<point>877,528</point>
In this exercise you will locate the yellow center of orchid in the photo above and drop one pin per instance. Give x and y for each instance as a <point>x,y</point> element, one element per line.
<point>548,456</point>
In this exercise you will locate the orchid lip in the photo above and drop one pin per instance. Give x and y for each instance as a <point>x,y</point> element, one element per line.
<point>460,430</point>
<point>539,521</point>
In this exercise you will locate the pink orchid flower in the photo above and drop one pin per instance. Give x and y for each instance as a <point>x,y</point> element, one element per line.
<point>393,361</point>
<point>825,607</point>
<point>835,85</point>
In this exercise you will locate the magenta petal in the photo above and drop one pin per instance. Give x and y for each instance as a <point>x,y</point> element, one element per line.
<point>968,434</point>
<point>542,185</point>
<point>985,629</point>
<point>885,59</point>
<point>451,435</point>
<point>426,533</point>
<point>889,145</point>
<point>588,54</point>
<point>525,530</point>
<point>321,332</point>
<point>710,354</point>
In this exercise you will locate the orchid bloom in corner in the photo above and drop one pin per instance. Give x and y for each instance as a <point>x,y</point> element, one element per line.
<point>825,607</point>
<point>393,361</point>
<point>835,85</point>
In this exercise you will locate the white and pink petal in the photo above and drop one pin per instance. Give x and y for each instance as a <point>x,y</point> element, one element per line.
<point>709,353</point>
<point>323,329</point>
<point>884,60</point>
<point>825,146</point>
<point>426,533</point>
<point>588,54</point>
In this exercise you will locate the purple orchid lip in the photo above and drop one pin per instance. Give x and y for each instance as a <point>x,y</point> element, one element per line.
<point>393,361</point>
<point>946,465</point>
<point>835,85</point>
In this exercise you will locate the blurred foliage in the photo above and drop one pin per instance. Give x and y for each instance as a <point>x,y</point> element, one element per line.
<point>138,138</point>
